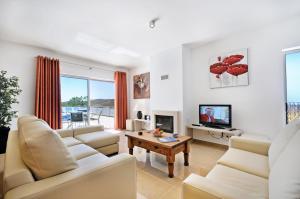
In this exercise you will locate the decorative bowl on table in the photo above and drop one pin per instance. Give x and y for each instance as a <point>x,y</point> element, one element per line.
<point>158,133</point>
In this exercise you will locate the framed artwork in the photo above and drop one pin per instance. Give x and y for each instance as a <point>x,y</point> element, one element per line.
<point>141,86</point>
<point>229,69</point>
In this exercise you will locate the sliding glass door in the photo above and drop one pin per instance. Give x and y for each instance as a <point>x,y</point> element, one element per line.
<point>87,102</point>
<point>292,86</point>
<point>74,98</point>
<point>102,103</point>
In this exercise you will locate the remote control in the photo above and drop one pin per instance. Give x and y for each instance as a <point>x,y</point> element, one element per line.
<point>196,124</point>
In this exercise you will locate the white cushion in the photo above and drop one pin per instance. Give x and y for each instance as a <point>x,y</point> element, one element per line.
<point>251,185</point>
<point>98,139</point>
<point>281,140</point>
<point>284,179</point>
<point>81,151</point>
<point>43,151</point>
<point>88,129</point>
<point>252,163</point>
<point>70,141</point>
<point>96,159</point>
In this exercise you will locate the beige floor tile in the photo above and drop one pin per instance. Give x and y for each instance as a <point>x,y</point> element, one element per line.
<point>152,174</point>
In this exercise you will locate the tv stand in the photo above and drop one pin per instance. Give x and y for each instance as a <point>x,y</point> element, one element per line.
<point>214,126</point>
<point>211,134</point>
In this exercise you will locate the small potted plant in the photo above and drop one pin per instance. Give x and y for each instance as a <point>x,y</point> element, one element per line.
<point>9,90</point>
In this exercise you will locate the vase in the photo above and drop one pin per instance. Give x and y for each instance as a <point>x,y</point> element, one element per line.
<point>139,114</point>
<point>3,138</point>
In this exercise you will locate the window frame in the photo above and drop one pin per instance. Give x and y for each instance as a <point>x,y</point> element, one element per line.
<point>285,82</point>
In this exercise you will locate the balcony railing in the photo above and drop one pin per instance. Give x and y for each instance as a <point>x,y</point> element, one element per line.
<point>96,116</point>
<point>293,111</point>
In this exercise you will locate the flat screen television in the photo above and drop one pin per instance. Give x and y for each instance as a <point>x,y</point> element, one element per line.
<point>215,115</point>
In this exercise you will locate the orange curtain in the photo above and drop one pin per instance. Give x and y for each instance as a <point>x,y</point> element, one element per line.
<point>120,100</point>
<point>47,94</point>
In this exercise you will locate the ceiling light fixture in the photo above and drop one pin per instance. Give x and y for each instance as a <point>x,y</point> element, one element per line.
<point>153,22</point>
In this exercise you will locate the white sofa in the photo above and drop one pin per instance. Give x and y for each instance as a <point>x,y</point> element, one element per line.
<point>90,175</point>
<point>253,169</point>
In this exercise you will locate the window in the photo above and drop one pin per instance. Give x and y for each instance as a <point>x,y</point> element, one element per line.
<point>87,102</point>
<point>292,65</point>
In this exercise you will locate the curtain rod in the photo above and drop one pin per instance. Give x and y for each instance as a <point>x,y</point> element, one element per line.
<point>90,67</point>
<point>291,49</point>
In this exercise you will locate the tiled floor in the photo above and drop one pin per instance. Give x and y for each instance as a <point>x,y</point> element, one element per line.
<point>152,179</point>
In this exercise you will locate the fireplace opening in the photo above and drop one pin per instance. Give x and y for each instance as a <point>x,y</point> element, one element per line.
<point>165,123</point>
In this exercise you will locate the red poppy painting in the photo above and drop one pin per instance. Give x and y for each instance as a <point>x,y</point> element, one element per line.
<point>229,69</point>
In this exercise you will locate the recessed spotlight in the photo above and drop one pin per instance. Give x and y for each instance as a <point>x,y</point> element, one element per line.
<point>153,22</point>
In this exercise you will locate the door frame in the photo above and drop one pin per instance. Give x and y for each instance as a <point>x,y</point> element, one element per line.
<point>88,88</point>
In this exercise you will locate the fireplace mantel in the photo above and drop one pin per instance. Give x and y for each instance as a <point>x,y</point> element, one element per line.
<point>174,114</point>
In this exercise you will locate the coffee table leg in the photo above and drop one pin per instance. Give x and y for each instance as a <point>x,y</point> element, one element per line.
<point>130,146</point>
<point>171,160</point>
<point>186,159</point>
<point>131,151</point>
<point>171,169</point>
<point>186,154</point>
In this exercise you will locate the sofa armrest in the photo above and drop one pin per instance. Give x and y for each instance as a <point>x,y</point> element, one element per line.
<point>113,178</point>
<point>88,129</point>
<point>65,132</point>
<point>251,145</point>
<point>195,187</point>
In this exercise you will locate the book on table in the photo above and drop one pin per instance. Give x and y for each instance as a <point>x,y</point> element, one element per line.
<point>167,139</point>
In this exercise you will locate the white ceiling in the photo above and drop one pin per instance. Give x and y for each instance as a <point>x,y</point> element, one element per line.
<point>117,32</point>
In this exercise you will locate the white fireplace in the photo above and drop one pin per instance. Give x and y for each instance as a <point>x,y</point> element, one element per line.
<point>166,120</point>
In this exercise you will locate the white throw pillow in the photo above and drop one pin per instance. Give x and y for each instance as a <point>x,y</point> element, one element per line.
<point>281,140</point>
<point>25,119</point>
<point>43,151</point>
<point>284,178</point>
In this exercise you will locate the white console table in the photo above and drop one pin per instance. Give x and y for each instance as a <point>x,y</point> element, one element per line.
<point>138,124</point>
<point>214,135</point>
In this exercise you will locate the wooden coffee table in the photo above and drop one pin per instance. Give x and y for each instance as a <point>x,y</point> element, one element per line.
<point>151,143</point>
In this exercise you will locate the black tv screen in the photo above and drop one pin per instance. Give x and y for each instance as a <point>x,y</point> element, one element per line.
<point>215,115</point>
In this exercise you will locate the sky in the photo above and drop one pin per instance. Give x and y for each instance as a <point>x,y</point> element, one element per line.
<point>71,87</point>
<point>293,77</point>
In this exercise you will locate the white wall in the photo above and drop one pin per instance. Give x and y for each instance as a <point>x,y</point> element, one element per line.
<point>164,94</point>
<point>259,107</point>
<point>187,89</point>
<point>167,94</point>
<point>20,60</point>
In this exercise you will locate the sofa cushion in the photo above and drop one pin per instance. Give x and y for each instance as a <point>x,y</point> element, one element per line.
<point>43,151</point>
<point>281,140</point>
<point>252,185</point>
<point>96,159</point>
<point>198,187</point>
<point>65,132</point>
<point>70,141</point>
<point>110,149</point>
<point>88,129</point>
<point>80,151</point>
<point>98,139</point>
<point>246,161</point>
<point>284,180</point>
